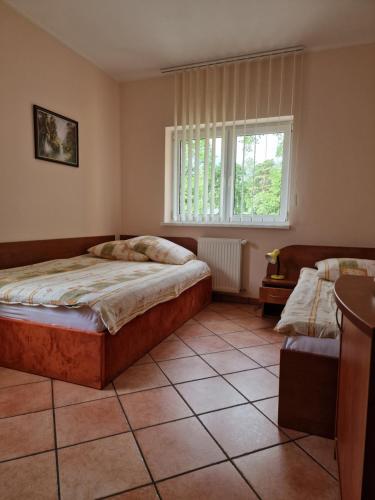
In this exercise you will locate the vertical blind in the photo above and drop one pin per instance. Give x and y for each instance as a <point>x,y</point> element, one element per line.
<point>210,104</point>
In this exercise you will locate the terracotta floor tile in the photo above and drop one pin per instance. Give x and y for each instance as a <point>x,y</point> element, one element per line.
<point>218,482</point>
<point>29,478</point>
<point>171,350</point>
<point>139,378</point>
<point>255,384</point>
<point>170,337</point>
<point>154,407</point>
<point>265,355</point>
<point>10,377</point>
<point>26,398</point>
<point>254,323</point>
<point>205,345</point>
<point>193,330</point>
<point>209,394</point>
<point>108,466</point>
<point>223,326</point>
<point>177,447</point>
<point>242,429</point>
<point>243,339</point>
<point>254,308</point>
<point>91,420</point>
<point>182,370</point>
<point>237,314</point>
<point>322,450</point>
<point>270,408</point>
<point>145,493</point>
<point>26,434</point>
<point>229,361</point>
<point>144,360</point>
<point>270,335</point>
<point>65,393</point>
<point>274,369</point>
<point>286,472</point>
<point>222,306</point>
<point>207,315</point>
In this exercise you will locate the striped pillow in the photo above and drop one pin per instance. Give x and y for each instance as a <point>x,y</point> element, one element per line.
<point>332,269</point>
<point>117,250</point>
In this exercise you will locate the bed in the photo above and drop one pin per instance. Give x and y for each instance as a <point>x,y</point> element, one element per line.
<point>311,309</point>
<point>58,327</point>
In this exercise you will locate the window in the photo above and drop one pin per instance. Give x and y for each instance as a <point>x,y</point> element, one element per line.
<point>236,173</point>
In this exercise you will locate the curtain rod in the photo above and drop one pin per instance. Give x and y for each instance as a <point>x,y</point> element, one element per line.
<point>244,57</point>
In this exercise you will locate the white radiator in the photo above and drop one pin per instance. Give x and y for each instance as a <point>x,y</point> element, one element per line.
<point>224,256</point>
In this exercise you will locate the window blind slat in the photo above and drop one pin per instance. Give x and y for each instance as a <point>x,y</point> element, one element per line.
<point>197,144</point>
<point>206,145</point>
<point>218,110</point>
<point>246,92</point>
<point>213,150</point>
<point>176,177</point>
<point>183,149</point>
<point>190,146</point>
<point>223,143</point>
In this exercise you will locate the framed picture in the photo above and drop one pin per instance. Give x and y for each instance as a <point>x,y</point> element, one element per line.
<point>55,137</point>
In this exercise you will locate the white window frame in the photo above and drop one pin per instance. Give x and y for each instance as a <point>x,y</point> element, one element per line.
<point>172,178</point>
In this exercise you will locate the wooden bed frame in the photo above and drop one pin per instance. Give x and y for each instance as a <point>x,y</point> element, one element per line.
<point>294,257</point>
<point>86,357</point>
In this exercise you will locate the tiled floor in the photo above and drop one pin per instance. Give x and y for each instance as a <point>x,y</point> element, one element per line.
<point>194,419</point>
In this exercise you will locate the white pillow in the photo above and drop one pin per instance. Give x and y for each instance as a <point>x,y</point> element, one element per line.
<point>160,250</point>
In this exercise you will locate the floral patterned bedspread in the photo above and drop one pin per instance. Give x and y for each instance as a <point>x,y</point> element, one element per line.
<point>117,290</point>
<point>311,308</point>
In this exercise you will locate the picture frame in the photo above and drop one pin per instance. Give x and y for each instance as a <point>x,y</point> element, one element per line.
<point>55,137</point>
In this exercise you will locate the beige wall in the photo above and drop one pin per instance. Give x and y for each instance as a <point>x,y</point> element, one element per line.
<point>333,188</point>
<point>41,199</point>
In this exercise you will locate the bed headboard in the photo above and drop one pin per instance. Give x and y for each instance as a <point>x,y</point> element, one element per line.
<point>294,257</point>
<point>23,253</point>
<point>189,243</point>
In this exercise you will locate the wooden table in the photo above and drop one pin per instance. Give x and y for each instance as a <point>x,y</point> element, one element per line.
<point>355,430</point>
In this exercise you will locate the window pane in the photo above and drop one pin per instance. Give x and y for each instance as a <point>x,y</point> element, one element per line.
<point>258,172</point>
<point>188,182</point>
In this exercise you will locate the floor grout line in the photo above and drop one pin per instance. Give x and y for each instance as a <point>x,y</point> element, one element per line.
<point>212,437</point>
<point>55,440</point>
<point>135,439</point>
<point>263,399</point>
<point>194,414</point>
<point>313,458</point>
<point>25,383</point>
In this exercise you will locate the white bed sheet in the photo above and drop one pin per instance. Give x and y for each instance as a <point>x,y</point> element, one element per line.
<point>82,318</point>
<point>311,308</point>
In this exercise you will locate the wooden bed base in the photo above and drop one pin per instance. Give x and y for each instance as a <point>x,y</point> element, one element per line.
<point>94,358</point>
<point>85,357</point>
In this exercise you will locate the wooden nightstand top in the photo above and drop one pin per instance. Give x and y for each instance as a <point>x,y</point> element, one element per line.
<point>279,283</point>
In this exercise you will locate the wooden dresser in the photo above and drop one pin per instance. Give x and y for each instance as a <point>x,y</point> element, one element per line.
<point>355,425</point>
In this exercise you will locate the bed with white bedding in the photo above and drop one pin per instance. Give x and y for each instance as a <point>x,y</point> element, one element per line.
<point>85,318</point>
<point>311,308</point>
<point>90,293</point>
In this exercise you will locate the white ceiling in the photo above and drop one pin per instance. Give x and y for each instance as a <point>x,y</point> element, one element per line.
<point>131,39</point>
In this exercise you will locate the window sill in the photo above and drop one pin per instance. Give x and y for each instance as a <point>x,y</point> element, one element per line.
<point>254,225</point>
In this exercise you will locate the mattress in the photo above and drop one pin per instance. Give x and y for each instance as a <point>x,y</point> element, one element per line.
<point>311,308</point>
<point>82,318</point>
<point>117,291</point>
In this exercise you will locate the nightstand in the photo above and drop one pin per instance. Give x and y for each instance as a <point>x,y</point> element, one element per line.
<point>273,295</point>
